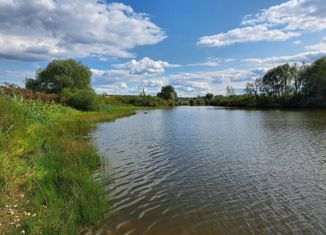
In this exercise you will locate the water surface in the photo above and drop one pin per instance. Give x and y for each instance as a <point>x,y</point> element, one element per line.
<point>205,170</point>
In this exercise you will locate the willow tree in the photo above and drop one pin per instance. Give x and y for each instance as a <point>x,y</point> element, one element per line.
<point>61,74</point>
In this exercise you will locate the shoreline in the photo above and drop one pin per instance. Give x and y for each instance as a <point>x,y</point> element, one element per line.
<point>49,188</point>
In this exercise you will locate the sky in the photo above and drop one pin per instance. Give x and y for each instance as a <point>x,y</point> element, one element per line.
<point>198,46</point>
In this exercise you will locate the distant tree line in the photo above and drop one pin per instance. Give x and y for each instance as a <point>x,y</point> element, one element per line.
<point>287,85</point>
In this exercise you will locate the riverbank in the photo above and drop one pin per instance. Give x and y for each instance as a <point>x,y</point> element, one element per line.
<point>46,166</point>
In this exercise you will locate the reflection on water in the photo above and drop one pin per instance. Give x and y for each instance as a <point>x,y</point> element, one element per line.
<point>204,170</point>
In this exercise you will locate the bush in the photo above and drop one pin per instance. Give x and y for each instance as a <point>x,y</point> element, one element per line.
<point>143,101</point>
<point>81,99</point>
<point>316,102</point>
<point>13,90</point>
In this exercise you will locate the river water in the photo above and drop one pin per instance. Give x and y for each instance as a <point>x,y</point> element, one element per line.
<point>206,170</point>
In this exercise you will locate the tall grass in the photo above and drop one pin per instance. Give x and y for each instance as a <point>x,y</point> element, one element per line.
<point>45,156</point>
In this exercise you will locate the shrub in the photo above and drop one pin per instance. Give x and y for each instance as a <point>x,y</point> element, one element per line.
<point>143,101</point>
<point>13,90</point>
<point>81,99</point>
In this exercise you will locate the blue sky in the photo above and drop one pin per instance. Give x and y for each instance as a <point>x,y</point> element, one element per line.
<point>198,46</point>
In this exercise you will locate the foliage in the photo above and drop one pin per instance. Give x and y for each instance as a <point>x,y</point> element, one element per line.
<point>199,101</point>
<point>13,90</point>
<point>287,85</point>
<point>60,74</point>
<point>315,79</point>
<point>44,156</point>
<point>168,93</point>
<point>141,101</point>
<point>81,99</point>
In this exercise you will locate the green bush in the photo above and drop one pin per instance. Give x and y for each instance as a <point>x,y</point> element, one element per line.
<point>81,99</point>
<point>143,101</point>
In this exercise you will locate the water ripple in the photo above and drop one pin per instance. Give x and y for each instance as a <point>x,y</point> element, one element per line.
<point>214,171</point>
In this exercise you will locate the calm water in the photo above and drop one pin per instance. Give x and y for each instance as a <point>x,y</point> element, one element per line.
<point>204,170</point>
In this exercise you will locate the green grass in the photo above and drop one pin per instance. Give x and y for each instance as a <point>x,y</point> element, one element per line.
<point>46,166</point>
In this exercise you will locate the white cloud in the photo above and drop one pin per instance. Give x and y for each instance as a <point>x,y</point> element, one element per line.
<point>319,46</point>
<point>40,30</point>
<point>112,76</point>
<point>213,62</point>
<point>153,83</point>
<point>187,84</point>
<point>306,15</point>
<point>218,76</point>
<point>247,34</point>
<point>277,23</point>
<point>123,85</point>
<point>190,87</point>
<point>149,66</point>
<point>145,66</point>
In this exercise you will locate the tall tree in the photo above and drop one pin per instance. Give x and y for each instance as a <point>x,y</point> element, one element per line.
<point>229,91</point>
<point>315,84</point>
<point>278,81</point>
<point>60,74</point>
<point>168,93</point>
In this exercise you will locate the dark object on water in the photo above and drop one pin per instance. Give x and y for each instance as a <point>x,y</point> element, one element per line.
<point>145,112</point>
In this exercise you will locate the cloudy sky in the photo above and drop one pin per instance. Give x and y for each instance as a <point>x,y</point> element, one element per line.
<point>198,46</point>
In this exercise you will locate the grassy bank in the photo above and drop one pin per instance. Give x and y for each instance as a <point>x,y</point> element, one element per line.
<point>46,166</point>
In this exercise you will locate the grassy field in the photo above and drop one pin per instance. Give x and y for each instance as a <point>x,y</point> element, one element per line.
<point>46,165</point>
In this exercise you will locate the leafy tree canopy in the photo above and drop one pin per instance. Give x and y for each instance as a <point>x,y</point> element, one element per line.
<point>168,93</point>
<point>61,74</point>
<point>315,85</point>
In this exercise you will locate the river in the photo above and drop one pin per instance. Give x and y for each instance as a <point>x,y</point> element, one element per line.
<point>210,170</point>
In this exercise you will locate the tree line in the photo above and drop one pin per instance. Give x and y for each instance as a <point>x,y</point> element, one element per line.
<point>287,85</point>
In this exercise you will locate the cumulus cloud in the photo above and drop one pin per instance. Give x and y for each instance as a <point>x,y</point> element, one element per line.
<point>153,83</point>
<point>148,66</point>
<point>277,23</point>
<point>188,88</point>
<point>306,15</point>
<point>39,30</point>
<point>145,66</point>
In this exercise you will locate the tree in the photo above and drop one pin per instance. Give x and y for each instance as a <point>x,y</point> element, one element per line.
<point>229,91</point>
<point>61,74</point>
<point>279,81</point>
<point>315,79</point>
<point>254,88</point>
<point>209,98</point>
<point>143,92</point>
<point>250,89</point>
<point>168,93</point>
